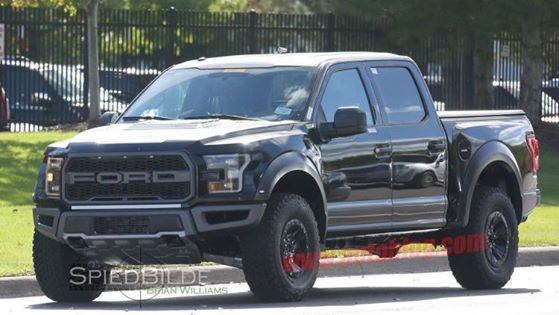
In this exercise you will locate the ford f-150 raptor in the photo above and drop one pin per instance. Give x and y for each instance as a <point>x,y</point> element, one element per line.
<point>262,161</point>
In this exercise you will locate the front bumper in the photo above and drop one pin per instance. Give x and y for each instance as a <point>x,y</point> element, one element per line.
<point>146,236</point>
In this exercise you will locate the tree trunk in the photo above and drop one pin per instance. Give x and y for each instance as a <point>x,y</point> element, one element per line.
<point>92,9</point>
<point>532,71</point>
<point>483,72</point>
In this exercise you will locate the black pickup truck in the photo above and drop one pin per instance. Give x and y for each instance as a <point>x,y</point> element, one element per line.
<point>263,161</point>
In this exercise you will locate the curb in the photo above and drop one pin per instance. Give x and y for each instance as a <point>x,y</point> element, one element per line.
<point>413,262</point>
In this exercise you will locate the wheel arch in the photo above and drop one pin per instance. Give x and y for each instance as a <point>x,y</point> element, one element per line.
<point>493,165</point>
<point>294,173</point>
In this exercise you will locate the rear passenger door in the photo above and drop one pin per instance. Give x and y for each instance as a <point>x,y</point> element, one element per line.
<point>418,142</point>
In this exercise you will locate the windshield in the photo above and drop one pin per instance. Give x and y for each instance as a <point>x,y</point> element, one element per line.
<point>279,93</point>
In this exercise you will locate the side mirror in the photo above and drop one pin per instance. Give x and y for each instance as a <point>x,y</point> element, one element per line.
<point>41,99</point>
<point>107,118</point>
<point>348,121</point>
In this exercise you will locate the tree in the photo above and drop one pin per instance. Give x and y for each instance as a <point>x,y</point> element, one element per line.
<point>284,6</point>
<point>467,27</point>
<point>536,21</point>
<point>92,10</point>
<point>200,5</point>
<point>475,21</point>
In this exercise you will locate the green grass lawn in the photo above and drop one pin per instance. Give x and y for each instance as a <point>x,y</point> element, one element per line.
<point>21,155</point>
<point>542,227</point>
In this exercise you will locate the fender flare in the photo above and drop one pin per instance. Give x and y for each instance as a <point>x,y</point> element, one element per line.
<point>284,164</point>
<point>488,153</point>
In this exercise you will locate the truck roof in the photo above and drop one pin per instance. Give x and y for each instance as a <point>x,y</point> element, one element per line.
<point>288,59</point>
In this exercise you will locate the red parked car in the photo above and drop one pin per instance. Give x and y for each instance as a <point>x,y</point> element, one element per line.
<point>4,111</point>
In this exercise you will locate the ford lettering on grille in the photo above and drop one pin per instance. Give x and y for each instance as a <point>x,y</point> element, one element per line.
<point>127,178</point>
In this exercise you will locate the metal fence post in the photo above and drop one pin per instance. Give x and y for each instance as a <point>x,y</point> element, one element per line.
<point>330,32</point>
<point>172,36</point>
<point>253,17</point>
<point>85,53</point>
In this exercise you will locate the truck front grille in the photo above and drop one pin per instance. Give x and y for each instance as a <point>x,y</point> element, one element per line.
<point>118,224</point>
<point>127,178</point>
<point>122,225</point>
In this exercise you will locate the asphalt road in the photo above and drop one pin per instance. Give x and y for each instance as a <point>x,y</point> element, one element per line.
<point>532,290</point>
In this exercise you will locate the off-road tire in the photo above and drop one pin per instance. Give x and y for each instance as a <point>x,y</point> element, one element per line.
<point>53,261</point>
<point>473,269</point>
<point>261,250</point>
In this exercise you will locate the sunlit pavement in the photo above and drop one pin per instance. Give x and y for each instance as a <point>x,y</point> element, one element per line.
<point>532,290</point>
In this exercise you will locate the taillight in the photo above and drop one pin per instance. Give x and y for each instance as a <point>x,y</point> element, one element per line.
<point>534,147</point>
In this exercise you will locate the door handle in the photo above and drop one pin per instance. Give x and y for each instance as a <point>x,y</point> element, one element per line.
<point>436,146</point>
<point>383,149</point>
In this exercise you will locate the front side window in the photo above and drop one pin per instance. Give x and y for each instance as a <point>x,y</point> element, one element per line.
<point>401,99</point>
<point>344,88</point>
<point>279,93</point>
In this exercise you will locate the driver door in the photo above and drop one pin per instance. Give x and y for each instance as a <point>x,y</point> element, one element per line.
<point>356,168</point>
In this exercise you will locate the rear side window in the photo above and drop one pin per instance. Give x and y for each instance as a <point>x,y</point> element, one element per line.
<point>401,99</point>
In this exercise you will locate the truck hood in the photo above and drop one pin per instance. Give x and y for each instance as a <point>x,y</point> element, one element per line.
<point>153,131</point>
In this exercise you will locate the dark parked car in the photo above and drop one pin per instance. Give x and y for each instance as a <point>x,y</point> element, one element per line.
<point>40,96</point>
<point>126,84</point>
<point>47,94</point>
<point>4,111</point>
<point>261,161</point>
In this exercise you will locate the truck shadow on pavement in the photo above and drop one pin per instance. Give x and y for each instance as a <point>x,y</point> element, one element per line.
<point>318,297</point>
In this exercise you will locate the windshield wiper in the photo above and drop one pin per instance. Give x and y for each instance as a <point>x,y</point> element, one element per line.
<point>220,116</point>
<point>132,118</point>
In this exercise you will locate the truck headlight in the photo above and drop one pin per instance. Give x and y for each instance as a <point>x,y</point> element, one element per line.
<point>224,172</point>
<point>52,176</point>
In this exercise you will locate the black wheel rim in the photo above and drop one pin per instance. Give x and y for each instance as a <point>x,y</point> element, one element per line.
<point>294,249</point>
<point>497,238</point>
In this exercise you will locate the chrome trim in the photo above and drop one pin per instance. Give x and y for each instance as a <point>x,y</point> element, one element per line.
<point>117,207</point>
<point>122,236</point>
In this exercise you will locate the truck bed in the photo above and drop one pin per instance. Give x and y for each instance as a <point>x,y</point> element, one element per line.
<point>479,113</point>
